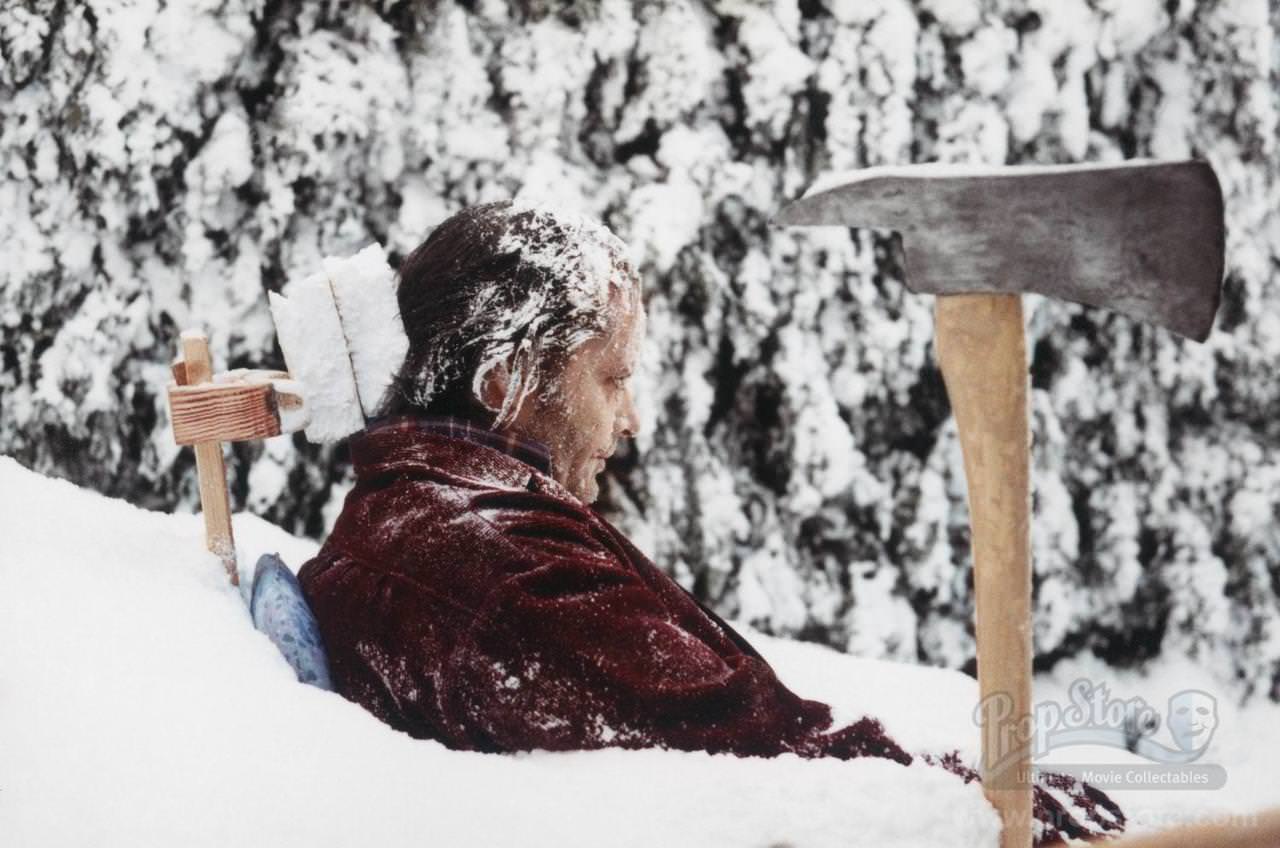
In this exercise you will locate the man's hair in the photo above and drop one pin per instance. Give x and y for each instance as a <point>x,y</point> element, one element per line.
<point>503,284</point>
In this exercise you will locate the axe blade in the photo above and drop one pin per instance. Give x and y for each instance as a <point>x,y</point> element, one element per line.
<point>1142,238</point>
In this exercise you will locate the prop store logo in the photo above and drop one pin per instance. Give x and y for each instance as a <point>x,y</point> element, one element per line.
<point>1092,716</point>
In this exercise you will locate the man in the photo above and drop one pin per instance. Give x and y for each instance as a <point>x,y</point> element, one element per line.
<point>470,594</point>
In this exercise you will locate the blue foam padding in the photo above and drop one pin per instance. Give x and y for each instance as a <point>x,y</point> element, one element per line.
<point>280,611</point>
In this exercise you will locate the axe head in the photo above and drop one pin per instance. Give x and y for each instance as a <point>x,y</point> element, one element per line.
<point>1142,238</point>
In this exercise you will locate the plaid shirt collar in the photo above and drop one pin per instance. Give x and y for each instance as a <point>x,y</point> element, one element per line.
<point>528,451</point>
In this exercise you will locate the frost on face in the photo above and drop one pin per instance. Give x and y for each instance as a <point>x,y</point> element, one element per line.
<point>578,265</point>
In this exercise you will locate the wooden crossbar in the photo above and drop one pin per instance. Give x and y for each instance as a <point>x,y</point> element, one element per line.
<point>211,412</point>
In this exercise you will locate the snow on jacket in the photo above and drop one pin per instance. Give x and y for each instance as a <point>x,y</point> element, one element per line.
<point>465,596</point>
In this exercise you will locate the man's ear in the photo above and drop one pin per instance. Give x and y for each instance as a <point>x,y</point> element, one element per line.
<point>491,386</point>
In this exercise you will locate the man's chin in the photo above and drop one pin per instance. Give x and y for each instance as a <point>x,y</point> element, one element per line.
<point>588,492</point>
<point>586,486</point>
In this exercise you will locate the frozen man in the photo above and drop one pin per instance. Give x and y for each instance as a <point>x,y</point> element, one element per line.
<point>470,594</point>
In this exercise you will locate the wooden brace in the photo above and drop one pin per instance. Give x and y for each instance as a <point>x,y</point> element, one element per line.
<point>237,406</point>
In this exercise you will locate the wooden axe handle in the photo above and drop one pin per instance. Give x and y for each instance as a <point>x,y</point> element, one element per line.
<point>1252,830</point>
<point>981,348</point>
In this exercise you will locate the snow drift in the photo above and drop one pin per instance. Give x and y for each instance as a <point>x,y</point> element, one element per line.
<point>139,707</point>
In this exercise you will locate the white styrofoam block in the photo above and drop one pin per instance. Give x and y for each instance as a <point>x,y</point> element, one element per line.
<point>364,289</point>
<point>315,349</point>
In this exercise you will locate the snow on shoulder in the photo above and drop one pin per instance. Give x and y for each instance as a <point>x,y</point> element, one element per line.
<point>137,693</point>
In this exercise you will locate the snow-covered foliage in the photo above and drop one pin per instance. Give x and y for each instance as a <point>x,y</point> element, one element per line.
<point>166,165</point>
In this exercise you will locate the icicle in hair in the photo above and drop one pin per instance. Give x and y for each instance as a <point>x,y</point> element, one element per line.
<point>504,286</point>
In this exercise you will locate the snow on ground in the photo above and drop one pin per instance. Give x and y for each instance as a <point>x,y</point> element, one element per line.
<point>139,707</point>
<point>1245,743</point>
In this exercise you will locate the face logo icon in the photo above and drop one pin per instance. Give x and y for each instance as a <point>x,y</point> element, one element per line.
<point>1192,718</point>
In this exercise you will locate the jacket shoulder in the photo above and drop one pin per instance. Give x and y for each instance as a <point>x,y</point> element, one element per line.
<point>407,523</point>
<point>541,522</point>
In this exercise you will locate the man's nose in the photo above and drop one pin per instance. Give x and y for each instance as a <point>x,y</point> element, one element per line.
<point>630,417</point>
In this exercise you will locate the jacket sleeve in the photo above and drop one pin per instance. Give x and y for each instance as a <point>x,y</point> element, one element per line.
<point>574,650</point>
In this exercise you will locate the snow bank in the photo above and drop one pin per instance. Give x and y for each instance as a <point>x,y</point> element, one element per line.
<point>135,692</point>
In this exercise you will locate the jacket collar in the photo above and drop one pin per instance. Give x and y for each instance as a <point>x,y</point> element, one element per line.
<point>451,445</point>
<point>528,451</point>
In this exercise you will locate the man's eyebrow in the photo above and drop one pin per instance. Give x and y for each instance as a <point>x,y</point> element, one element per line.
<point>616,370</point>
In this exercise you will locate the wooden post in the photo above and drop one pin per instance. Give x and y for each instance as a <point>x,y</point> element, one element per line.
<point>214,501</point>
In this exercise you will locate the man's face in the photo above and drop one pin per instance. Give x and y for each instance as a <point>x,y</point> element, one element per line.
<point>591,406</point>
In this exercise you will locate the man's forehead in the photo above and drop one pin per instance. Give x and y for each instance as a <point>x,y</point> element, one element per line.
<point>627,327</point>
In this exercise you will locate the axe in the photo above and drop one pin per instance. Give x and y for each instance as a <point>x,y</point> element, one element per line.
<point>1141,238</point>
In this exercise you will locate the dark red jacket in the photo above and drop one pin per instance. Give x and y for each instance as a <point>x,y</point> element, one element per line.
<point>467,597</point>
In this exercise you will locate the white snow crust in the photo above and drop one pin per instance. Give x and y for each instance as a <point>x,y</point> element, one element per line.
<point>135,691</point>
<point>364,288</point>
<point>342,338</point>
<point>315,348</point>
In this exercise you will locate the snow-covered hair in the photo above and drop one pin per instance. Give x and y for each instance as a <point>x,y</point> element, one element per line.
<point>504,285</point>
